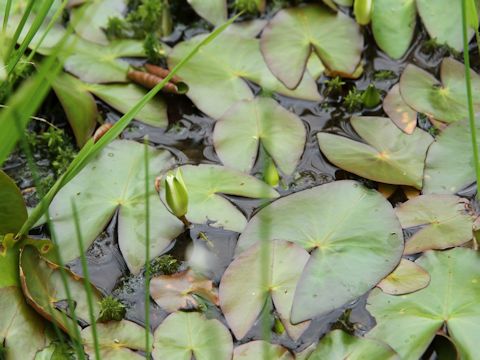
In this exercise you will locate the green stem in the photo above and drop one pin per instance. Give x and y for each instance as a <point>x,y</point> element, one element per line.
<point>8,7</point>
<point>147,252</point>
<point>19,29</point>
<point>471,114</point>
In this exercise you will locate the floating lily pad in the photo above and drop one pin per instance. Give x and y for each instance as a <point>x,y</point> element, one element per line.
<point>449,166</point>
<point>388,155</point>
<point>184,335</point>
<point>113,181</point>
<point>408,277</point>
<point>340,345</point>
<point>206,183</point>
<point>91,20</point>
<point>239,132</point>
<point>352,248</point>
<point>13,212</point>
<point>116,339</point>
<point>215,11</point>
<point>247,29</point>
<point>216,74</point>
<point>408,323</point>
<point>179,291</point>
<point>43,287</point>
<point>446,100</point>
<point>255,350</point>
<point>398,110</point>
<point>393,25</point>
<point>443,222</point>
<point>243,291</point>
<point>293,34</point>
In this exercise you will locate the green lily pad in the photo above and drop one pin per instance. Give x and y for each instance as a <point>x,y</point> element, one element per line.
<point>239,132</point>
<point>115,180</point>
<point>216,74</point>
<point>248,29</point>
<point>444,221</point>
<point>215,11</point>
<point>294,33</point>
<point>352,248</point>
<point>13,212</point>
<point>243,293</point>
<point>449,166</point>
<point>255,350</point>
<point>116,340</point>
<point>43,287</point>
<point>393,25</point>
<point>388,155</point>
<point>92,18</point>
<point>398,110</point>
<point>183,335</point>
<point>22,331</point>
<point>444,101</point>
<point>408,323</point>
<point>442,19</point>
<point>205,184</point>
<point>340,345</point>
<point>79,106</point>
<point>408,277</point>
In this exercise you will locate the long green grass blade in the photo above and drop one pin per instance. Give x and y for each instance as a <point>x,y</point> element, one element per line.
<point>6,16</point>
<point>147,251</point>
<point>468,81</point>
<point>19,29</point>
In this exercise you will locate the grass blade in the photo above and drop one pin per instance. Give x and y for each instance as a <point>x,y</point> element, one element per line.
<point>147,251</point>
<point>6,16</point>
<point>19,29</point>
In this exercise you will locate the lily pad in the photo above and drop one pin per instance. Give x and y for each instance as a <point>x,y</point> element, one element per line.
<point>184,335</point>
<point>215,11</point>
<point>205,184</point>
<point>255,350</point>
<point>240,131</point>
<point>398,110</point>
<point>43,287</point>
<point>243,291</point>
<point>179,291</point>
<point>408,323</point>
<point>113,181</point>
<point>443,221</point>
<point>340,345</point>
<point>408,277</point>
<point>216,74</point>
<point>446,100</point>
<point>294,33</point>
<point>449,166</point>
<point>388,154</point>
<point>352,248</point>
<point>13,212</point>
<point>116,339</point>
<point>393,25</point>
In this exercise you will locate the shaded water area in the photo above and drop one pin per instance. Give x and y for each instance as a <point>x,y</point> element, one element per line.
<point>189,138</point>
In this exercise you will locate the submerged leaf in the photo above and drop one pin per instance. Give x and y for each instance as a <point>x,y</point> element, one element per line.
<point>408,277</point>
<point>398,110</point>
<point>258,349</point>
<point>352,248</point>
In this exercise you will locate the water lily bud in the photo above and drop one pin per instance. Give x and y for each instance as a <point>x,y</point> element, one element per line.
<point>363,11</point>
<point>270,174</point>
<point>278,327</point>
<point>176,194</point>
<point>371,97</point>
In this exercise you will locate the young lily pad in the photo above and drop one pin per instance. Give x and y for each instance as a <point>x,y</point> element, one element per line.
<point>22,331</point>
<point>444,101</point>
<point>216,74</point>
<point>243,293</point>
<point>116,340</point>
<point>444,222</point>
<point>239,132</point>
<point>43,287</point>
<point>205,184</point>
<point>408,323</point>
<point>294,33</point>
<point>13,212</point>
<point>352,248</point>
<point>340,345</point>
<point>388,155</point>
<point>179,291</point>
<point>215,11</point>
<point>113,181</point>
<point>393,25</point>
<point>184,335</point>
<point>398,110</point>
<point>449,167</point>
<point>255,350</point>
<point>91,19</point>
<point>408,277</point>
